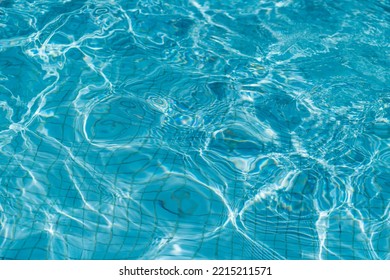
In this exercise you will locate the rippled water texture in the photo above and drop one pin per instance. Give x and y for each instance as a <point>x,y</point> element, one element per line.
<point>194,129</point>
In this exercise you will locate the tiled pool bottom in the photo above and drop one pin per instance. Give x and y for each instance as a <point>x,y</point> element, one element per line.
<point>194,130</point>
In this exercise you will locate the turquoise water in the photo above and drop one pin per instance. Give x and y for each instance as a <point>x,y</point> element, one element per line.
<point>194,129</point>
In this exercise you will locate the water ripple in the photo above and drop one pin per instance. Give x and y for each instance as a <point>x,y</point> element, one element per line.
<point>204,129</point>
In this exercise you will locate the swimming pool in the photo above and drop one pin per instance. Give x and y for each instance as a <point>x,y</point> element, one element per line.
<point>194,129</point>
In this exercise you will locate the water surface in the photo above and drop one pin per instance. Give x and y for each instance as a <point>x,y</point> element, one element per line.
<point>194,129</point>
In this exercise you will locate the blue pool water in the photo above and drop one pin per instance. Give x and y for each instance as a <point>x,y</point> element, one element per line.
<point>194,129</point>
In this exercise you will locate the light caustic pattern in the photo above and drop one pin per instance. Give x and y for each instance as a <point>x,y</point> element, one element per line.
<point>194,129</point>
